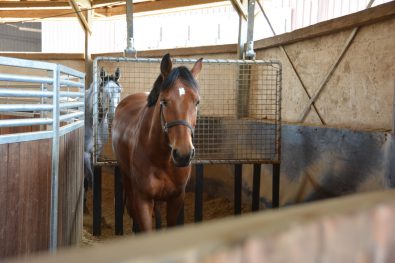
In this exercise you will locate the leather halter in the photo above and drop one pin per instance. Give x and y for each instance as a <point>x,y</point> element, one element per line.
<point>166,125</point>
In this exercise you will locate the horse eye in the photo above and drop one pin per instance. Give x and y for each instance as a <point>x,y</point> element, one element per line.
<point>198,102</point>
<point>164,103</point>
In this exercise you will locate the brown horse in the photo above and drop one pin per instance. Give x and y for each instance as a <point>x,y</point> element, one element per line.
<point>152,140</point>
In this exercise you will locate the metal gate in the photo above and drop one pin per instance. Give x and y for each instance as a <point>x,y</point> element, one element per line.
<point>239,114</point>
<point>238,122</point>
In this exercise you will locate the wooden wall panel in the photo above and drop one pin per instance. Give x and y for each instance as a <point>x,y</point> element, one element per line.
<point>70,188</point>
<point>23,222</point>
<point>25,194</point>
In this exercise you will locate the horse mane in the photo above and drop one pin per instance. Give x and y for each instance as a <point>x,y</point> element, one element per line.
<point>161,85</point>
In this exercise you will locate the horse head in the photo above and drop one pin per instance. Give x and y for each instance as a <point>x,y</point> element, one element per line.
<point>176,95</point>
<point>110,92</point>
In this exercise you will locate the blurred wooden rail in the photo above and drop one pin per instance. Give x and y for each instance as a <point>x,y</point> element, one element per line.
<point>357,228</point>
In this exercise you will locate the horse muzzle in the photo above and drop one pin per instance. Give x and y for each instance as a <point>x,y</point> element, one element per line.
<point>182,160</point>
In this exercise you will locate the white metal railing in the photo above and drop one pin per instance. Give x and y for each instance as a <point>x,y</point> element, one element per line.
<point>50,97</point>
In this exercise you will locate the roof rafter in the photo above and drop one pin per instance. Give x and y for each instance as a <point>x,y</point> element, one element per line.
<point>29,9</point>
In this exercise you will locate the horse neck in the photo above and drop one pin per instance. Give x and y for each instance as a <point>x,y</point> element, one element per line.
<point>155,137</point>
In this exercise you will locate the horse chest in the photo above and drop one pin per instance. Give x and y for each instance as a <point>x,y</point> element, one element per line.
<point>163,186</point>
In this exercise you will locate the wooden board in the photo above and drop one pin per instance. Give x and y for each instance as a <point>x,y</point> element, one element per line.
<point>24,222</point>
<point>362,18</point>
<point>336,230</point>
<point>25,194</point>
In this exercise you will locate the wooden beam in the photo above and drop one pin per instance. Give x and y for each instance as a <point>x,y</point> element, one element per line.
<point>366,17</point>
<point>84,3</point>
<point>106,11</point>
<point>33,4</point>
<point>85,25</point>
<point>335,230</point>
<point>238,6</point>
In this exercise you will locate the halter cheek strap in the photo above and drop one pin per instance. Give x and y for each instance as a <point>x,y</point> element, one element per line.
<point>167,125</point>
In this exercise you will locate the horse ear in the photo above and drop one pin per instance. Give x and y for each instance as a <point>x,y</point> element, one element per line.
<point>166,65</point>
<point>117,74</point>
<point>197,68</point>
<point>154,94</point>
<point>102,73</point>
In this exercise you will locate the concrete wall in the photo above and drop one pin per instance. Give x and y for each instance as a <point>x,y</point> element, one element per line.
<point>360,93</point>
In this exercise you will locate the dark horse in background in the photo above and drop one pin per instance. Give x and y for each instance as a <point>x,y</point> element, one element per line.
<point>152,140</point>
<point>109,94</point>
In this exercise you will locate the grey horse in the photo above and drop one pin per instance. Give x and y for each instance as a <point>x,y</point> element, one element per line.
<point>109,94</point>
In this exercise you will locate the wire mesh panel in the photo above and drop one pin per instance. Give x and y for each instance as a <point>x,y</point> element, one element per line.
<point>239,113</point>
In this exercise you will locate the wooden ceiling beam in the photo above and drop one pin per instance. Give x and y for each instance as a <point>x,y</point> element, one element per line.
<point>9,5</point>
<point>81,18</point>
<point>153,6</point>
<point>145,6</point>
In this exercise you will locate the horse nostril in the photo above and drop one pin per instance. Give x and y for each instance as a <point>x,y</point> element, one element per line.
<point>193,153</point>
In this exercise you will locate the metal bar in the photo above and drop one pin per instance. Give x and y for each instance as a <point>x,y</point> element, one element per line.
<point>187,60</point>
<point>70,83</point>
<point>71,94</point>
<point>67,70</point>
<point>70,127</point>
<point>25,107</point>
<point>118,196</point>
<point>24,93</point>
<point>95,110</point>
<point>256,183</point>
<point>68,105</point>
<point>25,122</point>
<point>276,186</point>
<point>130,49</point>
<point>73,115</point>
<point>181,216</point>
<point>55,165</point>
<point>96,217</point>
<point>249,49</point>
<point>25,78</point>
<point>26,136</point>
<point>198,193</point>
<point>238,183</point>
<point>16,62</point>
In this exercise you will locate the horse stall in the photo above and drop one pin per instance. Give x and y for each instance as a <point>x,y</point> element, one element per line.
<point>238,122</point>
<point>337,123</point>
<point>41,156</point>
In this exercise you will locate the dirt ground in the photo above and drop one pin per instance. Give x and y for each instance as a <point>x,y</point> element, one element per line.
<point>214,206</point>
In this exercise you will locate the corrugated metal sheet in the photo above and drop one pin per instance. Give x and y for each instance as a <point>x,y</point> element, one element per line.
<point>205,26</point>
<point>23,37</point>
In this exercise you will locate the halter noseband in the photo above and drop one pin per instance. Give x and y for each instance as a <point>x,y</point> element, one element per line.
<point>166,125</point>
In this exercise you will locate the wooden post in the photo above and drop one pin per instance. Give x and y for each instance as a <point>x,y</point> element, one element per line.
<point>88,57</point>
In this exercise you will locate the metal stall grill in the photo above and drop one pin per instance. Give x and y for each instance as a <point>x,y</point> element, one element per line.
<point>239,114</point>
<point>41,101</point>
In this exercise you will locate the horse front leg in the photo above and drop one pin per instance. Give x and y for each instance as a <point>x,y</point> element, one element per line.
<point>142,212</point>
<point>174,206</point>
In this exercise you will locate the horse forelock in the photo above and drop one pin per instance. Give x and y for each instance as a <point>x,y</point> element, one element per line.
<point>181,73</point>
